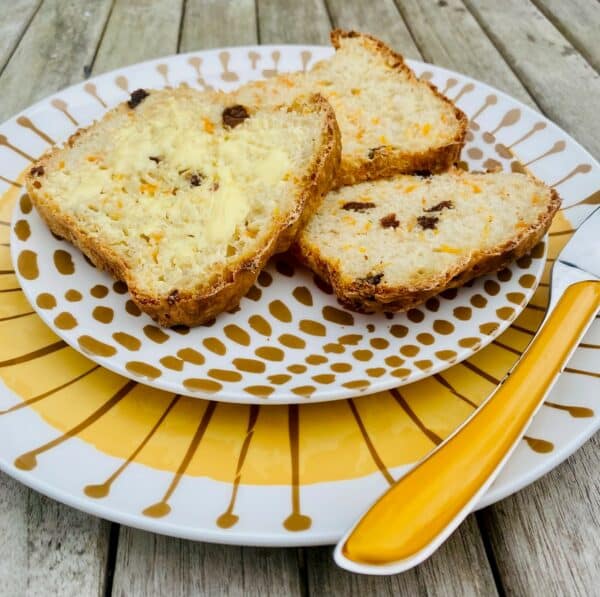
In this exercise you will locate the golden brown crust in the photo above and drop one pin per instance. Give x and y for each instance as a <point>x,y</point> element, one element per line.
<point>230,285</point>
<point>361,296</point>
<point>389,160</point>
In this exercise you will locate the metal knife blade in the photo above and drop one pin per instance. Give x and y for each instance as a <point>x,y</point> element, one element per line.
<point>583,250</point>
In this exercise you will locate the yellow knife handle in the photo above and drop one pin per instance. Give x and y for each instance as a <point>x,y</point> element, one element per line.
<point>419,507</point>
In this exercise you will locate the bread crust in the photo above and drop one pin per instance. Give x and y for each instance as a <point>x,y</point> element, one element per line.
<point>388,161</point>
<point>230,285</point>
<point>364,297</point>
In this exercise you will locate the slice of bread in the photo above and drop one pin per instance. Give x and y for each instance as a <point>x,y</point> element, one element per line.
<point>185,196</point>
<point>390,245</point>
<point>391,122</point>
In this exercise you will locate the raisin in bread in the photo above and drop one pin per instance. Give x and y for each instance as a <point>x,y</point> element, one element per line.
<point>391,122</point>
<point>391,244</point>
<point>185,196</point>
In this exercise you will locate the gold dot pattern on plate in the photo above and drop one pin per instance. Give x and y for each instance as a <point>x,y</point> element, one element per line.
<point>260,325</point>
<point>99,291</point>
<point>441,326</point>
<point>303,296</point>
<point>426,339</point>
<point>379,343</point>
<point>22,230</point>
<point>279,379</point>
<point>415,315</point>
<point>270,353</point>
<point>25,204</point>
<point>73,295</point>
<point>284,268</point>
<point>518,298</point>
<point>297,369</point>
<point>491,287</point>
<point>399,331</point>
<point>410,350</point>
<point>446,355</point>
<point>472,343</point>
<point>224,375</point>
<point>249,365</point>
<point>132,308</point>
<point>214,345</point>
<point>155,334</point>
<point>64,262</point>
<point>350,339</point>
<point>265,279</point>
<point>333,347</point>
<point>190,355</point>
<point>260,391</point>
<point>127,341</point>
<point>196,384</point>
<point>375,371</point>
<point>103,314</point>
<point>324,378</point>
<point>141,369</point>
<point>341,367</point>
<point>65,321</point>
<point>45,300</point>
<point>527,280</point>
<point>424,364</point>
<point>337,316</point>
<point>357,384</point>
<point>362,355</point>
<point>236,334</point>
<point>27,264</point>
<point>478,301</point>
<point>305,391</point>
<point>95,347</point>
<point>316,359</point>
<point>394,361</point>
<point>314,328</point>
<point>120,287</point>
<point>254,293</point>
<point>292,341</point>
<point>172,363</point>
<point>279,311</point>
<point>462,313</point>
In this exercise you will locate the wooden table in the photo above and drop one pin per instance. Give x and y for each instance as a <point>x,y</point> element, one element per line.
<point>543,541</point>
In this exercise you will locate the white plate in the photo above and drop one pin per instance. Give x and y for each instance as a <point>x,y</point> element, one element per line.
<point>269,475</point>
<point>289,340</point>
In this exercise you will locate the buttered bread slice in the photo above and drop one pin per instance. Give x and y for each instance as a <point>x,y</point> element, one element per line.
<point>391,122</point>
<point>185,196</point>
<point>391,244</point>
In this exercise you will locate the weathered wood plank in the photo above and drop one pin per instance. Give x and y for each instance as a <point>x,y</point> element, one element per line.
<point>459,568</point>
<point>213,24</point>
<point>138,31</point>
<point>47,548</point>
<point>149,564</point>
<point>293,22</point>
<point>59,43</point>
<point>545,538</point>
<point>449,36</point>
<point>380,19</point>
<point>555,74</point>
<point>13,24</point>
<point>579,22</point>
